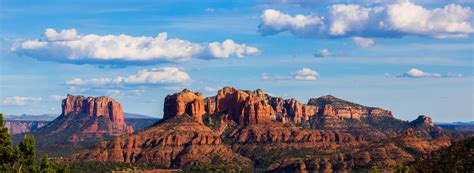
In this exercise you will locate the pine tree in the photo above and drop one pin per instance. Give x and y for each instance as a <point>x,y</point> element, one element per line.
<point>26,150</point>
<point>7,153</point>
<point>46,165</point>
<point>23,158</point>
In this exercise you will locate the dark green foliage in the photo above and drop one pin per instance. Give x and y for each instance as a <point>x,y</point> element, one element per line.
<point>22,158</point>
<point>26,150</point>
<point>7,153</point>
<point>458,157</point>
<point>402,169</point>
<point>375,169</point>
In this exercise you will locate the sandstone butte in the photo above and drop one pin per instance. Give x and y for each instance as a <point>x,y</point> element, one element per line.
<point>83,118</point>
<point>251,128</point>
<point>256,107</point>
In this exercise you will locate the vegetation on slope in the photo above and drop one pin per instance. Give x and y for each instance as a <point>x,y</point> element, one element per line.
<point>22,158</point>
<point>458,157</point>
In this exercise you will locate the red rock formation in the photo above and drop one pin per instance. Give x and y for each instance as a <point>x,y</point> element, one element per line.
<point>379,112</point>
<point>328,110</point>
<point>169,145</point>
<point>294,109</point>
<point>184,102</point>
<point>309,111</point>
<point>345,109</point>
<point>96,107</point>
<point>422,120</point>
<point>278,105</point>
<point>210,105</point>
<point>244,107</point>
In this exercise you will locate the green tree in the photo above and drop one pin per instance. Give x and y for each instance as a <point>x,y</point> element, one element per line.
<point>23,158</point>
<point>7,153</point>
<point>26,150</point>
<point>46,165</point>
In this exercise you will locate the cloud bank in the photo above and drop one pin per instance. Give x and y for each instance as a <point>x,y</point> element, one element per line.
<point>154,76</point>
<point>402,18</point>
<point>20,101</point>
<point>67,46</point>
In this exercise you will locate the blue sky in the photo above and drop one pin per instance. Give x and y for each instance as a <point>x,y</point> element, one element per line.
<point>411,57</point>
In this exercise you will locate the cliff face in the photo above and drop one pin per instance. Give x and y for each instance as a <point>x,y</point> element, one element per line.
<point>184,102</point>
<point>256,107</point>
<point>87,119</point>
<point>333,106</point>
<point>100,106</point>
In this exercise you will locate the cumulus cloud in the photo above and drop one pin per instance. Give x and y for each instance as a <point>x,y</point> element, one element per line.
<point>20,101</point>
<point>154,76</point>
<point>322,53</point>
<point>229,48</point>
<point>273,21</point>
<point>388,20</point>
<point>417,73</point>
<point>363,42</point>
<point>306,74</point>
<point>68,46</point>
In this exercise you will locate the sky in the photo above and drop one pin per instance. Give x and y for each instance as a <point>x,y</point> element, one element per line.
<point>410,57</point>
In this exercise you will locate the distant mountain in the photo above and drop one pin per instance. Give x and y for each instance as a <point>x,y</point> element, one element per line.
<point>27,117</point>
<point>457,126</point>
<point>19,126</point>
<point>51,117</point>
<point>137,116</point>
<point>471,123</point>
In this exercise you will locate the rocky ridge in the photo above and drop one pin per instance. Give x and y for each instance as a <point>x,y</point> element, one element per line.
<point>256,107</point>
<point>273,133</point>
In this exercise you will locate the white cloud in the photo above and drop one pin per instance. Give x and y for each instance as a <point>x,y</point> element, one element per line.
<point>306,74</point>
<point>69,47</point>
<point>388,20</point>
<point>416,73</point>
<point>164,75</point>
<point>20,101</point>
<point>273,21</point>
<point>57,97</point>
<point>229,48</point>
<point>322,53</point>
<point>363,42</point>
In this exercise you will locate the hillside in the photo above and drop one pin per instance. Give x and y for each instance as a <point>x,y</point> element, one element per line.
<point>459,157</point>
<point>275,134</point>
